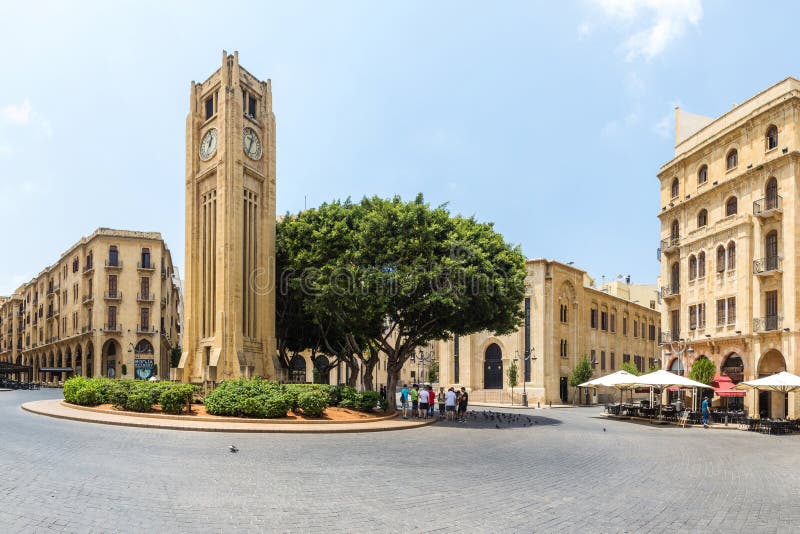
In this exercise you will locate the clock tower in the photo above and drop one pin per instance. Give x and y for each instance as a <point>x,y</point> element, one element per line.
<point>230,228</point>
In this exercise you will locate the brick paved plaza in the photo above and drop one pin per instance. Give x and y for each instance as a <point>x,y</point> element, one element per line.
<point>562,474</point>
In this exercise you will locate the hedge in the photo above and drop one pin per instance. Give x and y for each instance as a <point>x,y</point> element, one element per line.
<point>133,395</point>
<point>265,399</point>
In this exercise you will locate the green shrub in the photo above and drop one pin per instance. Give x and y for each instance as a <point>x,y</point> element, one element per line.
<point>86,391</point>
<point>249,398</point>
<point>339,394</point>
<point>295,390</point>
<point>277,405</point>
<point>347,403</point>
<point>139,401</point>
<point>313,402</point>
<point>368,400</point>
<point>174,399</point>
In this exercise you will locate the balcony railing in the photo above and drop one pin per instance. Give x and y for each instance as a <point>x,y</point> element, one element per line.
<point>671,290</point>
<point>671,243</point>
<point>88,268</point>
<point>52,290</point>
<point>163,302</point>
<point>768,206</point>
<point>668,336</point>
<point>144,329</point>
<point>767,324</point>
<point>86,329</point>
<point>87,299</point>
<point>146,266</point>
<point>114,264</point>
<point>112,328</point>
<point>769,265</point>
<point>113,295</point>
<point>145,297</point>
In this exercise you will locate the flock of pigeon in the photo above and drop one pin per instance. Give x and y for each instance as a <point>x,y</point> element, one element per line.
<point>501,419</point>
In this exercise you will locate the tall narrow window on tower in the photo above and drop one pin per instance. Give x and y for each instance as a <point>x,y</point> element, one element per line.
<point>209,107</point>
<point>209,271</point>
<point>249,263</point>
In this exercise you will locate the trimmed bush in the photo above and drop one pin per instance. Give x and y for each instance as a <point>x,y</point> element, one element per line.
<point>344,394</point>
<point>139,400</point>
<point>174,399</point>
<point>250,398</point>
<point>368,400</point>
<point>86,391</point>
<point>313,402</point>
<point>295,390</point>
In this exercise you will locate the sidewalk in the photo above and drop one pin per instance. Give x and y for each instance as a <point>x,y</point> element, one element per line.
<point>531,406</point>
<point>60,410</point>
<point>713,426</point>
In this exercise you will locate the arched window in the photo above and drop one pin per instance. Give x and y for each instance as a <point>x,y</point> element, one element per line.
<point>675,278</point>
<point>771,250</point>
<point>144,347</point>
<point>772,137</point>
<point>731,255</point>
<point>297,369</point>
<point>772,193</point>
<point>674,189</point>
<point>731,206</point>
<point>702,175</point>
<point>702,218</point>
<point>675,230</point>
<point>720,259</point>
<point>732,159</point>
<point>692,267</point>
<point>701,264</point>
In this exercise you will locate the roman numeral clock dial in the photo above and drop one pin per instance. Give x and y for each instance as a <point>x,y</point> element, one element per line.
<point>251,144</point>
<point>208,146</point>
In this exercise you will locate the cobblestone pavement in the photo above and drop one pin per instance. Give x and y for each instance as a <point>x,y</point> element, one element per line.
<point>563,474</point>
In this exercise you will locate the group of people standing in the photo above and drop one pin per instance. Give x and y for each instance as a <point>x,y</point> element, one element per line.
<point>420,401</point>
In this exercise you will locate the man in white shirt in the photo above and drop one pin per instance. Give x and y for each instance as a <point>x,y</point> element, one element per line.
<point>423,403</point>
<point>450,404</point>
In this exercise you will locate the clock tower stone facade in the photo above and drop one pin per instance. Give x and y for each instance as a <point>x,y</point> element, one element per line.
<point>230,228</point>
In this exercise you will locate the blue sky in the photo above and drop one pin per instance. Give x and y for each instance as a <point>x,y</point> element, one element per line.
<point>550,118</point>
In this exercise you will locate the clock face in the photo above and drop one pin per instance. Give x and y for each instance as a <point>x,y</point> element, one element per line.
<point>251,144</point>
<point>208,146</point>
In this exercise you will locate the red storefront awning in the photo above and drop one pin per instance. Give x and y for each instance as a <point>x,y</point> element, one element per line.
<point>723,387</point>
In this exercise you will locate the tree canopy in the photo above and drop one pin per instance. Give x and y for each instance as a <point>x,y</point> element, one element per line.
<point>389,275</point>
<point>703,371</point>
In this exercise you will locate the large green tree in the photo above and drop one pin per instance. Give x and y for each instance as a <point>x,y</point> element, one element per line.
<point>703,371</point>
<point>390,276</point>
<point>581,373</point>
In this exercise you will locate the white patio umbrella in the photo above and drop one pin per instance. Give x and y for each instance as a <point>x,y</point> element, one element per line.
<point>782,382</point>
<point>662,378</point>
<point>621,380</point>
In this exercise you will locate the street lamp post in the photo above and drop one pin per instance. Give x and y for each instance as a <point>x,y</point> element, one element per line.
<point>528,359</point>
<point>679,348</point>
<point>422,360</point>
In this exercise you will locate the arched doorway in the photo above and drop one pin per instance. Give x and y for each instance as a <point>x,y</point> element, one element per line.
<point>79,369</point>
<point>297,369</point>
<point>733,368</point>
<point>89,365</point>
<point>772,404</point>
<point>111,353</point>
<point>322,366</point>
<point>676,366</point>
<point>493,367</point>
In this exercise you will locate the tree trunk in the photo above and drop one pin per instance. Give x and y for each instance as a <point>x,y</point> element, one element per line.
<point>369,368</point>
<point>392,377</point>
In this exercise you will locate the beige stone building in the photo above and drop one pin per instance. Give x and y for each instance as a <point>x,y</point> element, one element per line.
<point>109,301</point>
<point>230,228</point>
<point>728,245</point>
<point>567,318</point>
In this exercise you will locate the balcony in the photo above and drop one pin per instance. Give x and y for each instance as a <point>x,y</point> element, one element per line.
<point>50,340</point>
<point>112,265</point>
<point>144,329</point>
<point>670,291</point>
<point>86,329</point>
<point>163,302</point>
<point>87,299</point>
<point>52,290</point>
<point>768,207</point>
<point>767,324</point>
<point>768,266</point>
<point>88,269</point>
<point>145,297</point>
<point>112,295</point>
<point>146,266</point>
<point>670,244</point>
<point>667,336</point>
<point>112,328</point>
<point>164,273</point>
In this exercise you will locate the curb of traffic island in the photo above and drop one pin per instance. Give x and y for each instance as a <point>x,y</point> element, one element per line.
<point>223,419</point>
<point>61,410</point>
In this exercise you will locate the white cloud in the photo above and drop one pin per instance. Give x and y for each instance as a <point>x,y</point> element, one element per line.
<point>584,30</point>
<point>6,150</point>
<point>17,114</point>
<point>650,25</point>
<point>665,126</point>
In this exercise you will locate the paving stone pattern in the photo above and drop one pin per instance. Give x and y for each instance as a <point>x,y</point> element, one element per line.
<point>562,474</point>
